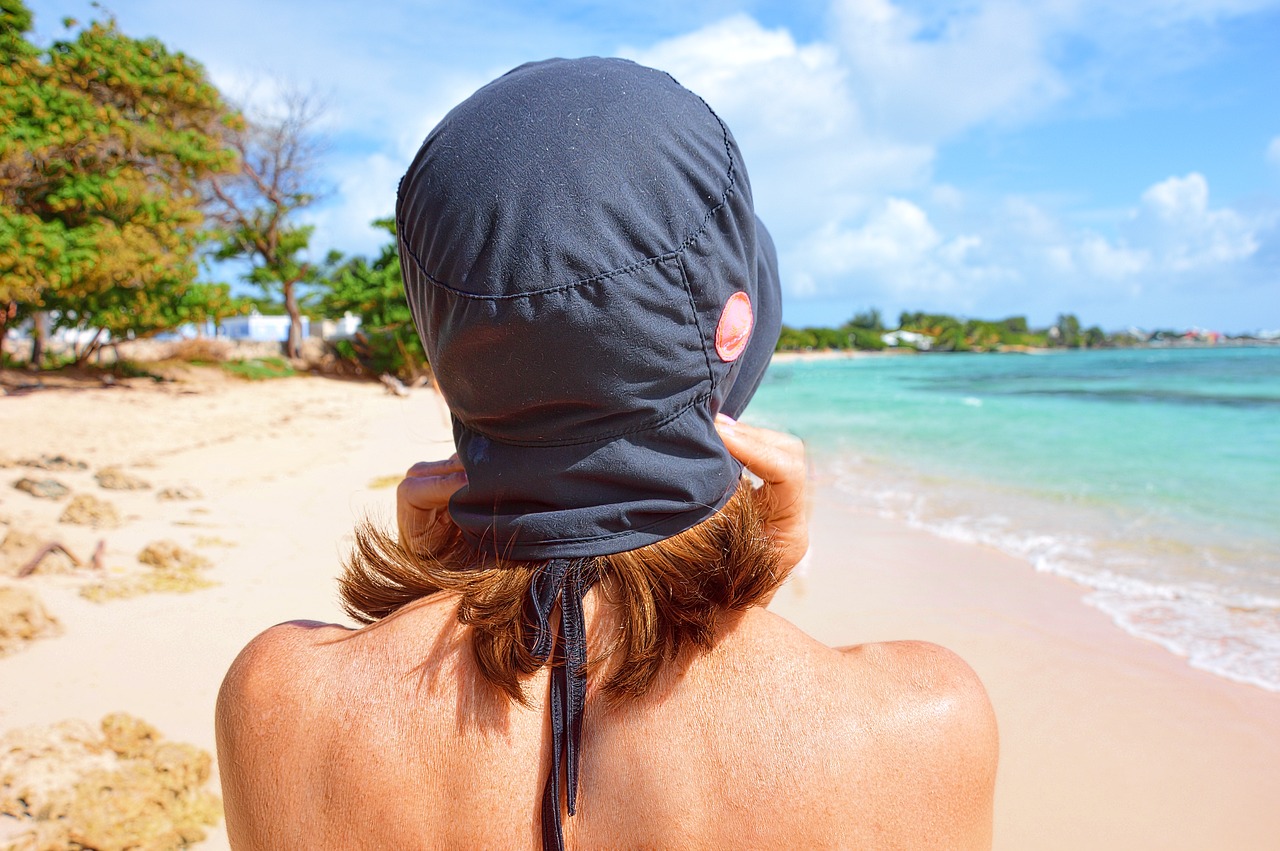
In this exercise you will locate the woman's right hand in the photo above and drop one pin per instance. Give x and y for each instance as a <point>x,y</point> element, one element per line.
<point>422,504</point>
<point>777,459</point>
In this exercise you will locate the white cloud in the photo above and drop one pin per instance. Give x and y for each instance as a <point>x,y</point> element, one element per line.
<point>760,80</point>
<point>811,157</point>
<point>1029,222</point>
<point>1175,220</point>
<point>1172,231</point>
<point>959,250</point>
<point>897,253</point>
<point>930,78</point>
<point>1273,152</point>
<point>1100,258</point>
<point>897,236</point>
<point>366,188</point>
<point>840,138</point>
<point>1017,255</point>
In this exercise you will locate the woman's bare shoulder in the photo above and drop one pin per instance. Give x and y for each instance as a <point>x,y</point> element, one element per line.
<point>896,734</point>
<point>930,711</point>
<point>924,678</point>
<point>302,664</point>
<point>273,672</point>
<point>919,666</point>
<point>277,650</point>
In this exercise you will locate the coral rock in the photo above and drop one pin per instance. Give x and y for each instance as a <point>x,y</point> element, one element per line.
<point>23,618</point>
<point>115,479</point>
<point>167,555</point>
<point>43,488</point>
<point>174,570</point>
<point>123,788</point>
<point>179,493</point>
<point>55,463</point>
<point>87,510</point>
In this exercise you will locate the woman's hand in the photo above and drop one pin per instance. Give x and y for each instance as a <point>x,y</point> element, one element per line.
<point>422,504</point>
<point>778,460</point>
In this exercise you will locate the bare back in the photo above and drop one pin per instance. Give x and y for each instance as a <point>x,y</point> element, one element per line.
<point>387,737</point>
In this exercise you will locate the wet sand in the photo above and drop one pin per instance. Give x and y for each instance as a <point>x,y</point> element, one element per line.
<point>1108,742</point>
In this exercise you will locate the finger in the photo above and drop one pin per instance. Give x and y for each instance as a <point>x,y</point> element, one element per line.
<point>778,459</point>
<point>775,457</point>
<point>429,492</point>
<point>436,468</point>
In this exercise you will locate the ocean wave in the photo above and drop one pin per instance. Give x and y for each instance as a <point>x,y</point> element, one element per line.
<point>1222,630</point>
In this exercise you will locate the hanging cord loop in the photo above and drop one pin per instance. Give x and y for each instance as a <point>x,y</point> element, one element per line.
<point>566,580</point>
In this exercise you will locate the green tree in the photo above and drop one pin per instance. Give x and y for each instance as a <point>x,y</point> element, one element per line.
<point>257,206</point>
<point>950,338</point>
<point>869,320</point>
<point>981,335</point>
<point>1068,331</point>
<point>1095,337</point>
<point>867,339</point>
<point>796,340</point>
<point>1015,324</point>
<point>104,142</point>
<point>373,290</point>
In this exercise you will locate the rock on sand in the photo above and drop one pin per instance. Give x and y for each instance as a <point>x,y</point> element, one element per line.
<point>118,787</point>
<point>115,479</point>
<point>23,618</point>
<point>88,510</point>
<point>43,488</point>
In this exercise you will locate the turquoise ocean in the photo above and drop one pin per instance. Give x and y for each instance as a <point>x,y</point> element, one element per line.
<point>1150,477</point>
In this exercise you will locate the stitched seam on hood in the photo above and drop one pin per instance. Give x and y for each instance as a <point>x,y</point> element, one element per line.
<point>730,175</point>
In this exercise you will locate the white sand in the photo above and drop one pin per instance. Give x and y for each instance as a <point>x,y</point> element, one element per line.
<point>1108,742</point>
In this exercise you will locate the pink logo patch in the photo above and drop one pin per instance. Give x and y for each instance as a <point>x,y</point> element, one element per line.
<point>734,328</point>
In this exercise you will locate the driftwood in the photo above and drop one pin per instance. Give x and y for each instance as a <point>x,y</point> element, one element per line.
<point>51,547</point>
<point>393,384</point>
<point>95,562</point>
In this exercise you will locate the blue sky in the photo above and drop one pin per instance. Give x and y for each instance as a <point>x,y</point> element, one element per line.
<point>1116,160</point>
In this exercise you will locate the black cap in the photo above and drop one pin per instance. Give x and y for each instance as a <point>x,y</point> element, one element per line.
<point>592,286</point>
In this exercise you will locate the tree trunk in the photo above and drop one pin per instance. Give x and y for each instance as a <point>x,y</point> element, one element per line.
<point>83,356</point>
<point>39,330</point>
<point>7,313</point>
<point>293,346</point>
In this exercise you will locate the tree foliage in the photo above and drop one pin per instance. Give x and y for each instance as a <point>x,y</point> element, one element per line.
<point>869,320</point>
<point>1066,331</point>
<point>946,333</point>
<point>374,291</point>
<point>257,204</point>
<point>104,143</point>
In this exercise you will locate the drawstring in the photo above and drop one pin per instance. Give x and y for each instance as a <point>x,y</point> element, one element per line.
<point>568,580</point>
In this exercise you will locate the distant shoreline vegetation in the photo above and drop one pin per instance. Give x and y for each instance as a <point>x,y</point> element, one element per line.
<point>940,332</point>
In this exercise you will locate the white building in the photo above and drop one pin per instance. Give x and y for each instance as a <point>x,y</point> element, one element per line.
<point>338,329</point>
<point>259,328</point>
<point>923,342</point>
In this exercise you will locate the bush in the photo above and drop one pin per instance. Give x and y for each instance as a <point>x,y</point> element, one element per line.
<point>200,350</point>
<point>260,369</point>
<point>379,351</point>
<point>867,339</point>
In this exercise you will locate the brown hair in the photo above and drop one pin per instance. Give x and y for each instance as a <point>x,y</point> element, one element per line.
<point>670,595</point>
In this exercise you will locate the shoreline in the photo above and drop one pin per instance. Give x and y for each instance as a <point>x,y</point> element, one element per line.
<point>791,356</point>
<point>1108,742</point>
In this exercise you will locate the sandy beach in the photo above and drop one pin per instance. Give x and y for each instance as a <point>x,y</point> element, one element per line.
<point>1108,742</point>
